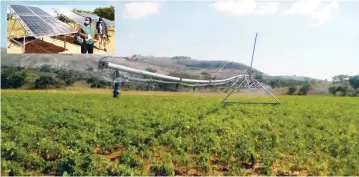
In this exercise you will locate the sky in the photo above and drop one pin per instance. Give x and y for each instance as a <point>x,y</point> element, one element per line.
<point>314,38</point>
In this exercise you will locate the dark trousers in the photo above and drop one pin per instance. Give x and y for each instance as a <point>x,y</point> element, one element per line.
<point>87,48</point>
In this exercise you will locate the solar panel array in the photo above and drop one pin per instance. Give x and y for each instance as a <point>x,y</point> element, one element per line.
<point>60,27</point>
<point>95,18</point>
<point>21,10</point>
<point>39,11</point>
<point>72,16</point>
<point>40,23</point>
<point>37,26</point>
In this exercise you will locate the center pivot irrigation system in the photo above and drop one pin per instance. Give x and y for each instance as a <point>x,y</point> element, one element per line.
<point>242,81</point>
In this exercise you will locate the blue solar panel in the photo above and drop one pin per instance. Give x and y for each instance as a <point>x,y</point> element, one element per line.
<point>58,25</point>
<point>37,26</point>
<point>39,11</point>
<point>40,23</point>
<point>78,20</point>
<point>21,10</point>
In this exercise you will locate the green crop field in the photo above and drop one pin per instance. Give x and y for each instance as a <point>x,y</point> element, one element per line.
<point>72,133</point>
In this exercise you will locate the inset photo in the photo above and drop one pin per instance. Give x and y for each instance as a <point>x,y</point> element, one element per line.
<point>66,29</point>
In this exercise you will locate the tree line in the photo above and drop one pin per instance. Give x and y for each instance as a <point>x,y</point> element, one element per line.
<point>104,12</point>
<point>46,77</point>
<point>215,64</point>
<point>345,85</point>
<point>294,86</point>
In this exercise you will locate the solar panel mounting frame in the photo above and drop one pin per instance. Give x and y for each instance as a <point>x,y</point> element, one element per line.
<point>27,30</point>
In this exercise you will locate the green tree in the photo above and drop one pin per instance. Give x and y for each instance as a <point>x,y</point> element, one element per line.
<point>354,81</point>
<point>105,12</point>
<point>81,11</point>
<point>97,83</point>
<point>291,90</point>
<point>259,77</point>
<point>340,78</point>
<point>343,90</point>
<point>68,76</point>
<point>18,81</point>
<point>274,83</point>
<point>46,68</point>
<point>333,90</point>
<point>12,80</point>
<point>304,89</point>
<point>45,82</point>
<point>166,87</point>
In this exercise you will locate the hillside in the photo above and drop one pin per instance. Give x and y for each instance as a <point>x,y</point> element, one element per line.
<point>298,78</point>
<point>163,65</point>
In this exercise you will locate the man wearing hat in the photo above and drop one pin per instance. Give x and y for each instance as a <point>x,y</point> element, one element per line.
<point>101,27</point>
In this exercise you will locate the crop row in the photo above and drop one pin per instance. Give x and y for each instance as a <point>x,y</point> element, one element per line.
<point>94,134</point>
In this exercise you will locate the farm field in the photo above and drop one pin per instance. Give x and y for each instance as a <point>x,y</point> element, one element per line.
<point>73,133</point>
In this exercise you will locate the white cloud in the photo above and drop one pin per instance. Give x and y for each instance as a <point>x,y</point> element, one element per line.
<point>268,8</point>
<point>311,8</point>
<point>304,7</point>
<point>244,7</point>
<point>136,10</point>
<point>322,16</point>
<point>320,12</point>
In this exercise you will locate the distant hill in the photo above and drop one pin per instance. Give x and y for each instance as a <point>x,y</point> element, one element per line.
<point>207,64</point>
<point>69,61</point>
<point>298,78</point>
<point>162,65</point>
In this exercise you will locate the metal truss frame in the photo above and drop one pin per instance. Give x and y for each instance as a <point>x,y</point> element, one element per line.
<point>27,32</point>
<point>249,83</point>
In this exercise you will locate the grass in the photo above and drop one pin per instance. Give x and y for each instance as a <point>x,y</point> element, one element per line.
<point>90,133</point>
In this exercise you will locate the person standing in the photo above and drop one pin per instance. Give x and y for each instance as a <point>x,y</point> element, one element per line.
<point>102,32</point>
<point>87,32</point>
